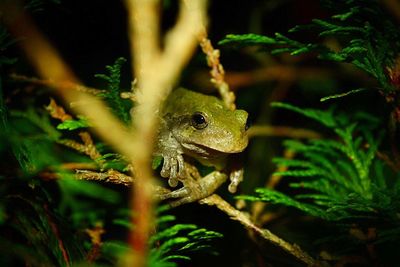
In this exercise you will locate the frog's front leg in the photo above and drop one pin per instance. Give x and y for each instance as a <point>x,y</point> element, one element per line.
<point>194,190</point>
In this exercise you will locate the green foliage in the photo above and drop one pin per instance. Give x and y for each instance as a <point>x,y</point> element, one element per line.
<point>367,41</point>
<point>39,120</point>
<point>43,237</point>
<point>70,125</point>
<point>113,161</point>
<point>119,106</point>
<point>338,179</point>
<point>157,160</point>
<point>31,137</point>
<point>172,241</point>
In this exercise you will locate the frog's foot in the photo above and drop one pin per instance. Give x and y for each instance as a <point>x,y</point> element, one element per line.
<point>194,190</point>
<point>172,168</point>
<point>236,177</point>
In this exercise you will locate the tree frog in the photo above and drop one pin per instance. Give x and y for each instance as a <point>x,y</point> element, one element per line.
<point>201,127</point>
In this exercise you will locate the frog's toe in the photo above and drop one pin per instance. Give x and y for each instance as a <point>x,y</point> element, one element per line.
<point>236,178</point>
<point>173,171</point>
<point>170,170</point>
<point>179,193</point>
<point>173,181</point>
<point>181,164</point>
<point>166,168</point>
<point>181,201</point>
<point>180,196</point>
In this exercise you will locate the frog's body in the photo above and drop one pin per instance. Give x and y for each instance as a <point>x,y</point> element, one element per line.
<point>201,127</point>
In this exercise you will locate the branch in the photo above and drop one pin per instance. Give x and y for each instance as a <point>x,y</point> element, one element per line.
<point>282,131</point>
<point>95,238</point>
<point>258,207</point>
<point>56,233</point>
<point>56,84</point>
<point>157,72</point>
<point>217,72</point>
<point>234,214</point>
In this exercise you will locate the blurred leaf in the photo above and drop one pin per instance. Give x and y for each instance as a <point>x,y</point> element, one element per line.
<point>74,124</point>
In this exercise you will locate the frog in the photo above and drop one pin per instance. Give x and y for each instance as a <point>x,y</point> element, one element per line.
<point>200,127</point>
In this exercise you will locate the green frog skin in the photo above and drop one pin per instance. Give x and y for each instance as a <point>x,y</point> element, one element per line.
<point>201,127</point>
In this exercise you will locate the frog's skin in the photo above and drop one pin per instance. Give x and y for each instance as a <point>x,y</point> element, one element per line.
<point>201,127</point>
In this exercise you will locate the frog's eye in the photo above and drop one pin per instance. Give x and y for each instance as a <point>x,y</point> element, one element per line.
<point>198,120</point>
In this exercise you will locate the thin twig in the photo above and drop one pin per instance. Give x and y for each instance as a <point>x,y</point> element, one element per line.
<point>56,84</point>
<point>88,147</point>
<point>257,208</point>
<point>217,72</point>
<point>234,214</point>
<point>281,131</point>
<point>57,112</point>
<point>95,238</point>
<point>110,176</point>
<point>56,233</point>
<point>276,72</point>
<point>388,160</point>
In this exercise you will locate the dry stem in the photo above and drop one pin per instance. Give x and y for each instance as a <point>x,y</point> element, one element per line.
<point>56,232</point>
<point>57,84</point>
<point>282,131</point>
<point>95,237</point>
<point>293,249</point>
<point>258,207</point>
<point>156,71</point>
<point>88,148</point>
<point>217,72</point>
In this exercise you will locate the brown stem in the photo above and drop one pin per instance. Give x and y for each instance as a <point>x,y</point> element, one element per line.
<point>217,72</point>
<point>56,233</point>
<point>56,84</point>
<point>282,131</point>
<point>156,72</point>
<point>234,214</point>
<point>95,237</point>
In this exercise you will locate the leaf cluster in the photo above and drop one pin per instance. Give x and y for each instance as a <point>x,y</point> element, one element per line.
<point>119,106</point>
<point>366,40</point>
<point>173,242</point>
<point>340,179</point>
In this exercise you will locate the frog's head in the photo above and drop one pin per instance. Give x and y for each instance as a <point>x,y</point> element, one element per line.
<point>204,126</point>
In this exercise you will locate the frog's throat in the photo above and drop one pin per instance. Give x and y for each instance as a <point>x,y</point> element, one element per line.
<point>207,152</point>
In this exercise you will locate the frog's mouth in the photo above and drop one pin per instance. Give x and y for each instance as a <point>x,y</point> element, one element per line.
<point>196,150</point>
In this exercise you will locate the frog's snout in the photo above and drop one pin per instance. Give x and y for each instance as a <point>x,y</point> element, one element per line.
<point>247,124</point>
<point>242,117</point>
